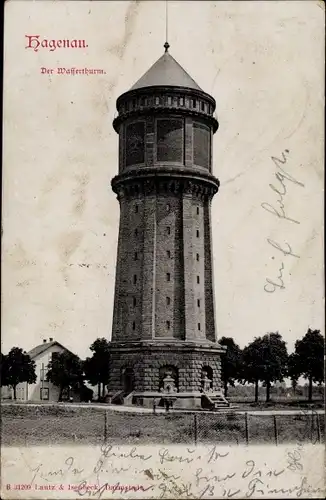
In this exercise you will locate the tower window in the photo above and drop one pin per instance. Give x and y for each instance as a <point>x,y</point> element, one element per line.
<point>168,301</point>
<point>136,232</point>
<point>168,277</point>
<point>197,210</point>
<point>168,208</point>
<point>136,209</point>
<point>198,302</point>
<point>169,134</point>
<point>134,301</point>
<point>168,254</point>
<point>168,325</point>
<point>168,230</point>
<point>136,256</point>
<point>135,279</point>
<point>134,102</point>
<point>157,101</point>
<point>135,143</point>
<point>198,326</point>
<point>194,103</point>
<point>198,279</point>
<point>169,101</point>
<point>142,101</point>
<point>201,144</point>
<point>181,101</point>
<point>202,106</point>
<point>197,256</point>
<point>133,325</point>
<point>197,233</point>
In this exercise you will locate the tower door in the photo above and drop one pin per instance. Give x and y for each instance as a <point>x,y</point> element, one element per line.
<point>128,380</point>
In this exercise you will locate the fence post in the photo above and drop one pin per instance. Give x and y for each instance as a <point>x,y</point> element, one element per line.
<point>318,427</point>
<point>247,428</point>
<point>275,430</point>
<point>195,428</point>
<point>105,426</point>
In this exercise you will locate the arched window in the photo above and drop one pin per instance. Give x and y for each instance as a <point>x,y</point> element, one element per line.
<point>127,379</point>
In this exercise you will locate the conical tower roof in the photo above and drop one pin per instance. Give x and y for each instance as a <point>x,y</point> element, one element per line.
<point>166,72</point>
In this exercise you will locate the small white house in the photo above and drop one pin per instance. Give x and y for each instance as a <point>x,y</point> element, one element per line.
<point>42,390</point>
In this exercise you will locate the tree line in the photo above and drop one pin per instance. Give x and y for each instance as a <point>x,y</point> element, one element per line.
<point>264,360</point>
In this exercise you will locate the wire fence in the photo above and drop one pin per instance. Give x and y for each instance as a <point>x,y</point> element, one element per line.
<point>24,425</point>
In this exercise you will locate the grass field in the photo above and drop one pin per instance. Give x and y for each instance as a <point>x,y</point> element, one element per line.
<point>24,425</point>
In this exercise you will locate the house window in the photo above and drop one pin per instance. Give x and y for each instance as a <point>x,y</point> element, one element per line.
<point>197,256</point>
<point>198,280</point>
<point>136,232</point>
<point>198,326</point>
<point>168,277</point>
<point>135,279</point>
<point>168,254</point>
<point>198,302</point>
<point>197,233</point>
<point>168,230</point>
<point>44,393</point>
<point>168,208</point>
<point>197,210</point>
<point>168,325</point>
<point>136,256</point>
<point>168,301</point>
<point>133,325</point>
<point>136,209</point>
<point>134,302</point>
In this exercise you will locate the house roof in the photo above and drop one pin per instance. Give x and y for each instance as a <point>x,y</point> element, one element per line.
<point>44,347</point>
<point>166,72</point>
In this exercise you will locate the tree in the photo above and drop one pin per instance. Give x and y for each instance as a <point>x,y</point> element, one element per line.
<point>65,370</point>
<point>265,359</point>
<point>251,360</point>
<point>97,368</point>
<point>17,367</point>
<point>310,352</point>
<point>231,362</point>
<point>294,370</point>
<point>4,370</point>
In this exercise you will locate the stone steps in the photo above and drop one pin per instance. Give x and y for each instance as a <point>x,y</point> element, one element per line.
<point>214,402</point>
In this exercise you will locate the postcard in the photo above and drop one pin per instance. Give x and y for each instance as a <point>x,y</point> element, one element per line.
<point>162,250</point>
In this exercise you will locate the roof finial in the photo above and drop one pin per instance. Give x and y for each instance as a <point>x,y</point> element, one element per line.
<point>166,45</point>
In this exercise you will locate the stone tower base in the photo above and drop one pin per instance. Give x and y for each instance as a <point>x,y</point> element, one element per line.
<point>139,371</point>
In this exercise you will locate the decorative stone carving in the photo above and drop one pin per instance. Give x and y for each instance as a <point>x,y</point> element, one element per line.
<point>197,188</point>
<point>206,383</point>
<point>169,384</point>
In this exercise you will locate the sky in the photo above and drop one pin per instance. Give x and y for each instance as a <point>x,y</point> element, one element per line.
<point>263,64</point>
